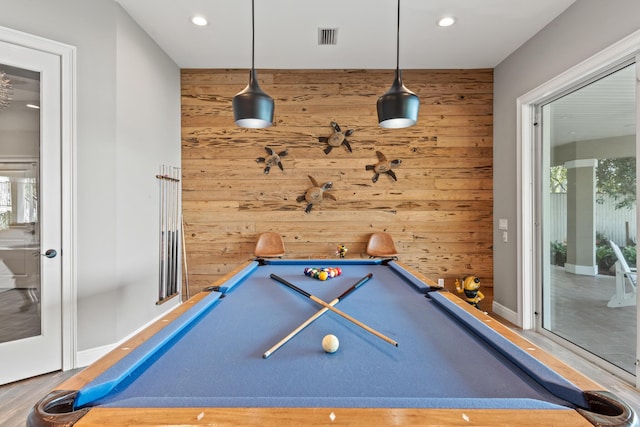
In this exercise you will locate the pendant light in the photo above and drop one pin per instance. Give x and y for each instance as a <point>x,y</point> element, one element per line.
<point>398,107</point>
<point>252,108</point>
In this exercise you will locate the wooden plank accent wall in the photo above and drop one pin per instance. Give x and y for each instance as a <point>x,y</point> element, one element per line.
<point>439,211</point>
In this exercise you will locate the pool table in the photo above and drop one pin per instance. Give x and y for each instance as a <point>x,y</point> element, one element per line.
<point>410,353</point>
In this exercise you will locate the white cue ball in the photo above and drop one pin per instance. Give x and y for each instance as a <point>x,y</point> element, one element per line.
<point>330,343</point>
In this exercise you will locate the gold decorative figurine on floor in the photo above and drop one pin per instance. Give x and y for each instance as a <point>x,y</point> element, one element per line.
<point>471,288</point>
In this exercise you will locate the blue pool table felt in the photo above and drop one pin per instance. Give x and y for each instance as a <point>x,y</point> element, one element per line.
<point>213,357</point>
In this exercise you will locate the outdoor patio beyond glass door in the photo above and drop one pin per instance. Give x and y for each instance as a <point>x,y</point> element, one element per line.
<point>588,190</point>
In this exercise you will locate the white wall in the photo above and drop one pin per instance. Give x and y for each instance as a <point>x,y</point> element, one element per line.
<point>147,135</point>
<point>128,123</point>
<point>585,28</point>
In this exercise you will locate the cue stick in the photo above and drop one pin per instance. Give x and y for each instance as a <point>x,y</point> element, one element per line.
<point>315,316</point>
<point>162,290</point>
<point>174,231</point>
<point>335,310</point>
<point>184,257</point>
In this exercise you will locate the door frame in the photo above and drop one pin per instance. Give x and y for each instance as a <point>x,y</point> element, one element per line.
<point>528,262</point>
<point>67,56</point>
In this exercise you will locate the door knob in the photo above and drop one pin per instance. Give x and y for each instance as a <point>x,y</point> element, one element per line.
<point>50,253</point>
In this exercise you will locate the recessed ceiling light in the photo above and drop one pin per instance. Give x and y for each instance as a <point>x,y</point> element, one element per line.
<point>446,21</point>
<point>200,21</point>
<point>35,107</point>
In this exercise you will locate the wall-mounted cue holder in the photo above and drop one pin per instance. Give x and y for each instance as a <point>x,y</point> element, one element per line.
<point>170,232</point>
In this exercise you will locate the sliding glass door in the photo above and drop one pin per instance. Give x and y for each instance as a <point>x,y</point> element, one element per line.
<point>587,146</point>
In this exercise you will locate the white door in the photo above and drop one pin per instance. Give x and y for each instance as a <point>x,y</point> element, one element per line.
<point>30,213</point>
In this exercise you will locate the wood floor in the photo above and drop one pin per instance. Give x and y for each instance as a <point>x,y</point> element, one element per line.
<point>16,399</point>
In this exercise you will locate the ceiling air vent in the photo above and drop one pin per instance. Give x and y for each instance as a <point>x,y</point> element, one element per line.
<point>327,36</point>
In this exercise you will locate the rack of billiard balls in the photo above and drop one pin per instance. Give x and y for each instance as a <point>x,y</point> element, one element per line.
<point>323,273</point>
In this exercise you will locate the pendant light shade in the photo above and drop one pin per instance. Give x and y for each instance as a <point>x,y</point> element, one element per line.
<point>252,107</point>
<point>398,107</point>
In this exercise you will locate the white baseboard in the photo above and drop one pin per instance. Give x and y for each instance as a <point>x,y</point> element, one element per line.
<point>87,357</point>
<point>506,313</point>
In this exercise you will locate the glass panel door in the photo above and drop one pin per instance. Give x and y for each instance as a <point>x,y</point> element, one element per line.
<point>589,217</point>
<point>19,188</point>
<point>30,212</point>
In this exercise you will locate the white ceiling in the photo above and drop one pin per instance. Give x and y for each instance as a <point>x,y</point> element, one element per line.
<point>286,32</point>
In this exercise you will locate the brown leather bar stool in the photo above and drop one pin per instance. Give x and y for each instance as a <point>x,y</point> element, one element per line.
<point>269,245</point>
<point>381,245</point>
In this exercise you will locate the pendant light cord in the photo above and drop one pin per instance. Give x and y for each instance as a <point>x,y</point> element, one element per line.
<point>253,35</point>
<point>398,40</point>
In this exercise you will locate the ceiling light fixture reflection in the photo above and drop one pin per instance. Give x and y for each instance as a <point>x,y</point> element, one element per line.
<point>200,21</point>
<point>6,91</point>
<point>446,21</point>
